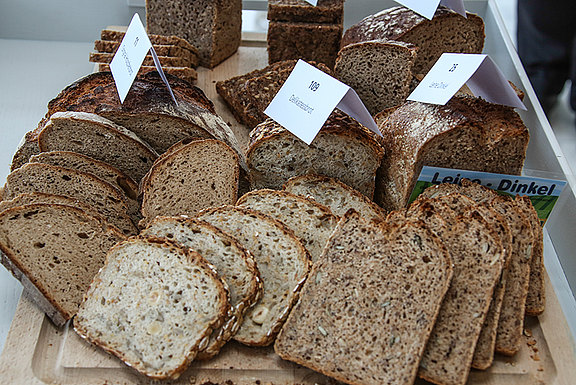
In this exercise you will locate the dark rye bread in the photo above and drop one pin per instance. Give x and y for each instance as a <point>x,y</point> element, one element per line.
<point>310,221</point>
<point>306,41</point>
<point>446,32</point>
<point>153,305</point>
<point>283,263</point>
<point>201,174</point>
<point>189,56</point>
<point>55,251</point>
<point>44,178</point>
<point>380,71</point>
<point>213,27</point>
<point>185,73</point>
<point>118,34</point>
<point>168,61</point>
<point>343,150</point>
<point>325,11</point>
<point>234,264</point>
<point>385,281</point>
<point>337,196</point>
<point>466,133</point>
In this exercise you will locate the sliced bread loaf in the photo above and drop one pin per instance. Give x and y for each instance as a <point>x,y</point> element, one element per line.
<point>55,251</point>
<point>201,174</point>
<point>99,138</point>
<point>185,73</point>
<point>337,196</point>
<point>310,221</point>
<point>283,263</point>
<point>369,304</point>
<point>168,61</point>
<point>44,178</point>
<point>170,50</point>
<point>153,305</point>
<point>380,71</point>
<point>342,150</point>
<point>325,11</point>
<point>234,264</point>
<point>117,34</point>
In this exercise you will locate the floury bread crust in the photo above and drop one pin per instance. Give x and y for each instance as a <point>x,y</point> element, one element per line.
<point>387,282</point>
<point>153,305</point>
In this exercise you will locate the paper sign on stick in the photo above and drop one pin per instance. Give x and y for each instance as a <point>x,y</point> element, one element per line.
<point>129,57</point>
<point>478,72</point>
<point>308,97</point>
<point>427,8</point>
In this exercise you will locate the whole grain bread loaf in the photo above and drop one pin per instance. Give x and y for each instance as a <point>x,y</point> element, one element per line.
<point>446,32</point>
<point>213,27</point>
<point>343,150</point>
<point>234,264</point>
<point>283,263</point>
<point>380,71</point>
<point>153,305</point>
<point>54,250</point>
<point>325,11</point>
<point>385,281</point>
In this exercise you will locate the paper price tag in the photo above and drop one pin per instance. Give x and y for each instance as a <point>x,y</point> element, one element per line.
<point>427,8</point>
<point>129,57</point>
<point>478,72</point>
<point>313,2</point>
<point>308,97</point>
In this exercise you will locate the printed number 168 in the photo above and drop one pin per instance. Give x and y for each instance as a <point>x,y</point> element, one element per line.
<point>314,86</point>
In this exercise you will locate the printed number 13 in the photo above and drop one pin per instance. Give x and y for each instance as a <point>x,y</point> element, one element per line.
<point>314,86</point>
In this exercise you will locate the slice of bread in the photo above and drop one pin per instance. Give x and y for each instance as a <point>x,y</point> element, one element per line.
<point>283,263</point>
<point>117,34</point>
<point>337,196</point>
<point>310,221</point>
<point>45,178</point>
<point>161,50</point>
<point>55,251</point>
<point>369,303</point>
<point>185,73</point>
<point>201,174</point>
<point>168,61</point>
<point>234,264</point>
<point>325,11</point>
<point>153,305</point>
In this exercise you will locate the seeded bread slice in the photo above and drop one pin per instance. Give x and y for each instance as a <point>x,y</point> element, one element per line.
<point>153,305</point>
<point>119,33</point>
<point>55,251</point>
<point>185,73</point>
<point>310,221</point>
<point>369,303</point>
<point>44,178</point>
<point>169,61</point>
<point>337,196</point>
<point>191,57</point>
<point>201,174</point>
<point>234,264</point>
<point>98,138</point>
<point>283,263</point>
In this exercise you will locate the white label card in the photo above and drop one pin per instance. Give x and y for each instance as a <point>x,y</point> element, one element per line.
<point>313,2</point>
<point>308,97</point>
<point>477,71</point>
<point>427,8</point>
<point>129,57</point>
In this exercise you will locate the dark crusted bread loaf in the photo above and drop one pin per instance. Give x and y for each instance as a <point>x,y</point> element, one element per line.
<point>44,178</point>
<point>380,71</point>
<point>337,196</point>
<point>234,264</point>
<point>343,150</point>
<point>283,263</point>
<point>325,11</point>
<point>201,174</point>
<point>153,305</point>
<point>213,27</point>
<point>191,57</point>
<point>310,221</point>
<point>55,251</point>
<point>369,303</point>
<point>446,32</point>
<point>466,133</point>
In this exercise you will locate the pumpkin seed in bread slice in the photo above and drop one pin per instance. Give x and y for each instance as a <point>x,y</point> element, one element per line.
<point>235,265</point>
<point>283,263</point>
<point>369,303</point>
<point>153,305</point>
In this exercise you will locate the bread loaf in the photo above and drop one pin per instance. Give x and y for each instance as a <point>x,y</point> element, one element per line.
<point>325,11</point>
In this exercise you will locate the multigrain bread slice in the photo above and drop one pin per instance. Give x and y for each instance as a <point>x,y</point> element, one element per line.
<point>310,221</point>
<point>283,263</point>
<point>337,196</point>
<point>168,61</point>
<point>477,256</point>
<point>170,50</point>
<point>99,138</point>
<point>185,73</point>
<point>201,174</point>
<point>325,11</point>
<point>117,34</point>
<point>55,251</point>
<point>343,150</point>
<point>153,305</point>
<point>369,303</point>
<point>44,178</point>
<point>234,264</point>
<point>380,71</point>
